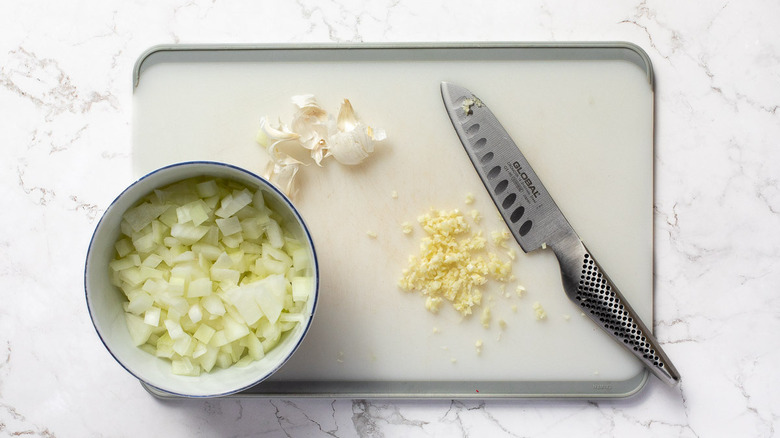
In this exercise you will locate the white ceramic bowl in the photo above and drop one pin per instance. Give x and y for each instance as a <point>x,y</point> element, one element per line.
<point>104,300</point>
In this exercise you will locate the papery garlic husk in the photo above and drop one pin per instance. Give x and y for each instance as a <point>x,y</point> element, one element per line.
<point>290,151</point>
<point>313,125</point>
<point>282,175</point>
<point>305,100</point>
<point>269,134</point>
<point>316,141</point>
<point>279,141</point>
<point>282,168</point>
<point>345,138</point>
<point>376,134</point>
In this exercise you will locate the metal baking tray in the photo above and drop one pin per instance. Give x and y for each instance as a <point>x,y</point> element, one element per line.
<point>473,380</point>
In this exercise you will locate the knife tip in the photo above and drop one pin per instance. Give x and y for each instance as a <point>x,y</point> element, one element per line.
<point>444,88</point>
<point>449,91</point>
<point>454,91</point>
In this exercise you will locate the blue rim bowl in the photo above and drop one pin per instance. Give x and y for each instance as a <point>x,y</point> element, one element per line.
<point>104,300</point>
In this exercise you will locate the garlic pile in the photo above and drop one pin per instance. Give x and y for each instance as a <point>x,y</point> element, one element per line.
<point>348,140</point>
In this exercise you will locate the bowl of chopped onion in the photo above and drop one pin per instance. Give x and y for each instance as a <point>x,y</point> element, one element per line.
<point>201,279</point>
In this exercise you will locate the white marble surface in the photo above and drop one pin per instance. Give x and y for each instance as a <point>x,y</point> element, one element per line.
<point>65,111</point>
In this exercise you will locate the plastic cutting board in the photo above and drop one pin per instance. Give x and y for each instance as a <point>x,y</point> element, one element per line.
<point>581,113</point>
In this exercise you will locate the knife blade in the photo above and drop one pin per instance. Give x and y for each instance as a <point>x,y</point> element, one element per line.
<point>535,220</point>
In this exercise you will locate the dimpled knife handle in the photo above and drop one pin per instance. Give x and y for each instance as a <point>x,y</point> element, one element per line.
<point>587,285</point>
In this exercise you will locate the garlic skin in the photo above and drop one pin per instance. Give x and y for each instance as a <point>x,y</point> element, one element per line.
<point>269,134</point>
<point>348,140</point>
<point>282,168</point>
<point>282,175</point>
<point>312,124</point>
<point>272,136</point>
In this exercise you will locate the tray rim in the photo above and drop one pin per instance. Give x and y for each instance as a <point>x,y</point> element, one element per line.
<point>144,58</point>
<point>416,390</point>
<point>583,389</point>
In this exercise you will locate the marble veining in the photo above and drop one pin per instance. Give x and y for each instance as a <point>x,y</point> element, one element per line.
<point>65,109</point>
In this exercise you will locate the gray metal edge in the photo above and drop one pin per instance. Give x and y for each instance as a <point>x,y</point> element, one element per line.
<point>383,390</point>
<point>643,61</point>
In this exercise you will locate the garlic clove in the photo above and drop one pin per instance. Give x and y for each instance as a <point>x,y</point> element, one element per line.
<point>351,147</point>
<point>354,141</point>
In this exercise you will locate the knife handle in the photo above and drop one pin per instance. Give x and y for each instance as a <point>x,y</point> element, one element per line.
<point>588,286</point>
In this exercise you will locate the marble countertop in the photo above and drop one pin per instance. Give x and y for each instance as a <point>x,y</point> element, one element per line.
<point>65,114</point>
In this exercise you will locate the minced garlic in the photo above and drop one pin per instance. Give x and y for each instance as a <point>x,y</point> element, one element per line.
<point>500,238</point>
<point>469,198</point>
<point>539,310</point>
<point>469,104</point>
<point>500,270</point>
<point>486,316</point>
<point>406,227</point>
<point>451,264</point>
<point>433,303</point>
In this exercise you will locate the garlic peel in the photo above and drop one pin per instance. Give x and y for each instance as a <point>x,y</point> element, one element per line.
<point>345,138</point>
<point>311,123</point>
<point>376,134</point>
<point>304,100</point>
<point>282,175</point>
<point>268,134</point>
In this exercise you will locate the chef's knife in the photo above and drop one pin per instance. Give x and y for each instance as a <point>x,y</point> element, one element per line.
<point>535,221</point>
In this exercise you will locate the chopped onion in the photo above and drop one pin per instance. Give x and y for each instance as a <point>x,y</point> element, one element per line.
<point>139,331</point>
<point>212,279</point>
<point>301,287</point>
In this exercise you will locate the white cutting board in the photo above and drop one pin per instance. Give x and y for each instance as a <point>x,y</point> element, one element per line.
<point>586,126</point>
